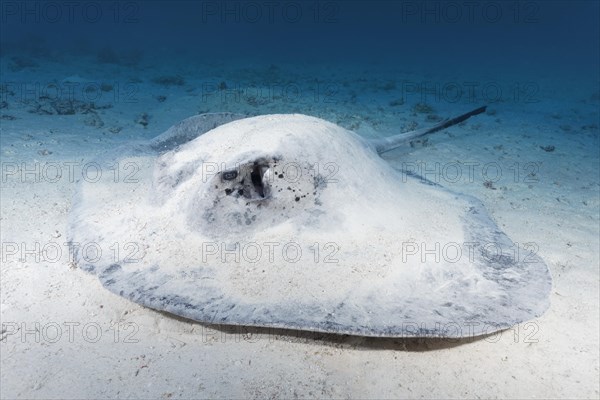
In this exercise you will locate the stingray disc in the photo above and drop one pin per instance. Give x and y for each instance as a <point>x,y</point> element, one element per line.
<point>290,221</point>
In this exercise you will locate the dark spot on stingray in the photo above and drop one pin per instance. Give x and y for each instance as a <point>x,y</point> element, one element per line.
<point>228,191</point>
<point>319,181</point>
<point>297,198</point>
<point>112,268</point>
<point>280,176</point>
<point>241,192</point>
<point>88,267</point>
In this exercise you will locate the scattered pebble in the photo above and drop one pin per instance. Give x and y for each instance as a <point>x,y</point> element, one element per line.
<point>94,120</point>
<point>565,128</point>
<point>548,149</point>
<point>20,63</point>
<point>169,80</point>
<point>143,119</point>
<point>409,126</point>
<point>419,142</point>
<point>489,185</point>
<point>433,118</point>
<point>423,108</point>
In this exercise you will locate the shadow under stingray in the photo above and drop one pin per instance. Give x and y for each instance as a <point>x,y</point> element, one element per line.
<point>254,334</point>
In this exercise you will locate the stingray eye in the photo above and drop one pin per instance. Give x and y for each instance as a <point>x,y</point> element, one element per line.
<point>230,175</point>
<point>249,180</point>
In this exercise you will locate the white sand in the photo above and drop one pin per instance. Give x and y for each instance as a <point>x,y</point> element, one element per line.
<point>118,349</point>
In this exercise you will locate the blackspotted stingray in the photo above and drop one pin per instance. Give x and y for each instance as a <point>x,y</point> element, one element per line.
<point>290,221</point>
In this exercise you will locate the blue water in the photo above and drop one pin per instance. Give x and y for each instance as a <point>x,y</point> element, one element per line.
<point>364,65</point>
<point>488,34</point>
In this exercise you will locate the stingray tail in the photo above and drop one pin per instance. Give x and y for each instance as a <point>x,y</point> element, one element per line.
<point>392,142</point>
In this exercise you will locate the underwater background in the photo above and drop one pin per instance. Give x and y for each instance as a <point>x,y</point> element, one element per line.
<point>79,78</point>
<point>553,35</point>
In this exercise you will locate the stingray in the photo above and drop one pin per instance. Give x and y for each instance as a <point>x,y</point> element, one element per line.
<point>289,221</point>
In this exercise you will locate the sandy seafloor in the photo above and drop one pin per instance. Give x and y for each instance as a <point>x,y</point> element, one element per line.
<point>118,349</point>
